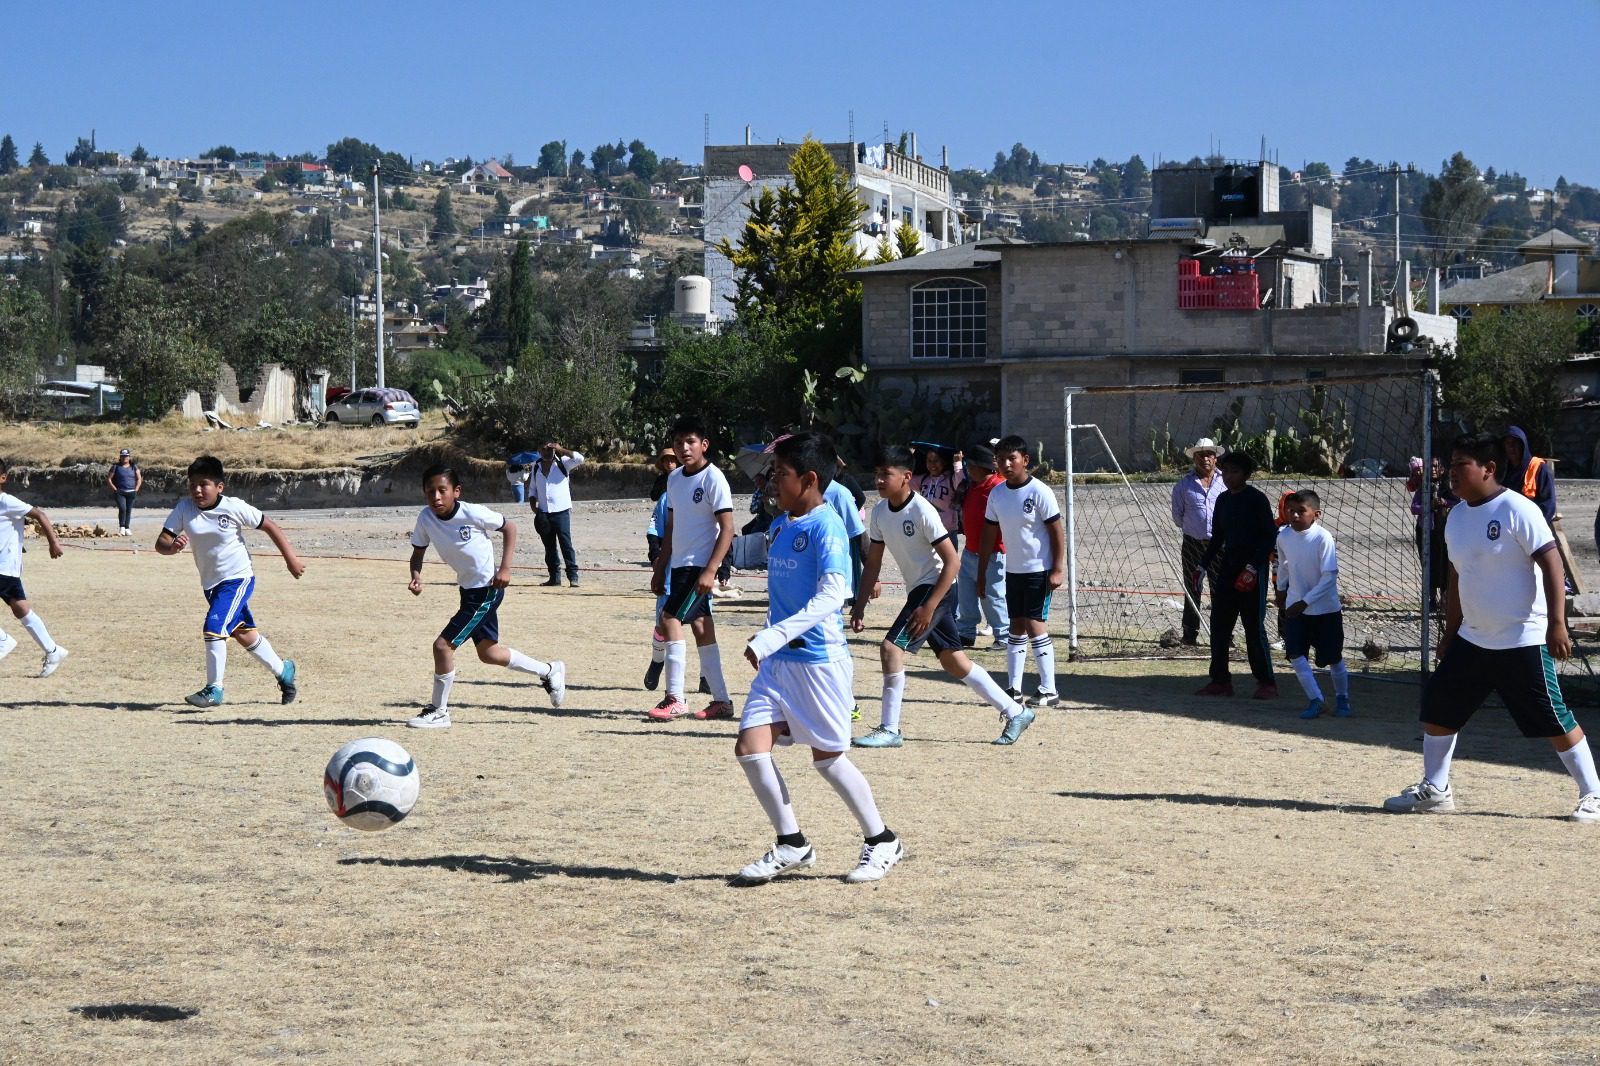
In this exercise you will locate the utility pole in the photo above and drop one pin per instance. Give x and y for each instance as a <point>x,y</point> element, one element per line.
<point>377,255</point>
<point>1397,220</point>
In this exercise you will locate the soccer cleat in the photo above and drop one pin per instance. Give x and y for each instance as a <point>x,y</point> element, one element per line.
<point>1017,697</point>
<point>880,738</point>
<point>1267,691</point>
<point>286,685</point>
<point>1588,809</point>
<point>669,708</point>
<point>431,718</point>
<point>714,709</point>
<point>855,713</point>
<point>1313,710</point>
<point>1422,798</point>
<point>210,696</point>
<point>555,683</point>
<point>1341,707</point>
<point>8,644</point>
<point>875,861</point>
<point>1015,725</point>
<point>1000,644</point>
<point>1046,699</point>
<point>53,660</point>
<point>1215,688</point>
<point>652,675</point>
<point>780,860</point>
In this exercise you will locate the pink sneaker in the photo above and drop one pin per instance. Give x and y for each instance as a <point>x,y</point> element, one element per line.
<point>670,708</point>
<point>715,709</point>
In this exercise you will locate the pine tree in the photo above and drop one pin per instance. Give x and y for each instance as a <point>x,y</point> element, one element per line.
<point>444,219</point>
<point>519,302</point>
<point>8,155</point>
<point>38,158</point>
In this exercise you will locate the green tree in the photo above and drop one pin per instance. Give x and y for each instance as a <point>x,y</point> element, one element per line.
<point>1135,176</point>
<point>502,204</point>
<point>1507,369</point>
<point>354,157</point>
<point>553,158</point>
<point>908,242</point>
<point>139,155</point>
<point>267,181</point>
<point>444,219</point>
<point>153,345</point>
<point>519,302</point>
<point>633,197</point>
<point>1454,207</point>
<point>642,161</point>
<point>223,153</point>
<point>25,331</point>
<point>8,155</point>
<point>38,159</point>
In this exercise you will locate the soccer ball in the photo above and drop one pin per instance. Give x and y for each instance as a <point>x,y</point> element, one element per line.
<point>371,784</point>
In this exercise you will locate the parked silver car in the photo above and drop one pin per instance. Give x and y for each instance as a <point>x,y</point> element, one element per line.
<point>379,407</point>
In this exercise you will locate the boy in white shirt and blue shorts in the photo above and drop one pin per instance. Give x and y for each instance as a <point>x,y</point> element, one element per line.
<point>1308,596</point>
<point>13,513</point>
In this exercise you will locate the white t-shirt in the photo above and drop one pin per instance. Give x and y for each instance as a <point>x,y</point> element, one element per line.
<point>910,534</point>
<point>1021,514</point>
<point>1491,546</point>
<point>694,501</point>
<point>551,490</point>
<point>216,537</point>
<point>463,540</point>
<point>1308,569</point>
<point>12,512</point>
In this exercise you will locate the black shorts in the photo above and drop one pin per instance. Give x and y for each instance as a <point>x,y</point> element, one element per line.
<point>11,589</point>
<point>478,619</point>
<point>684,601</point>
<point>1323,633</point>
<point>1525,678</point>
<point>941,633</point>
<point>1028,596</point>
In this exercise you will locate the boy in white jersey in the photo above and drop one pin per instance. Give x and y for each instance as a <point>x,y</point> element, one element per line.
<point>698,534</point>
<point>1308,596</point>
<point>1022,512</point>
<point>215,525</point>
<point>460,531</point>
<point>915,536</point>
<point>1505,623</point>
<point>803,672</point>
<point>13,513</point>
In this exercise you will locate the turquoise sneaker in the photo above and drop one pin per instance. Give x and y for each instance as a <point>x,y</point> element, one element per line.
<point>210,696</point>
<point>1341,707</point>
<point>1015,727</point>
<point>286,685</point>
<point>880,738</point>
<point>1313,710</point>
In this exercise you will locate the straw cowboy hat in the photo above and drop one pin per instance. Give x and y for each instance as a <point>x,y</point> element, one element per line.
<point>1205,444</point>
<point>663,455</point>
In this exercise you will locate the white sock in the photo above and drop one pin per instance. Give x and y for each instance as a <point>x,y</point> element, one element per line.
<point>846,780</point>
<point>1341,678</point>
<point>767,784</point>
<point>526,665</point>
<point>658,648</point>
<point>262,650</point>
<point>984,685</point>
<point>677,659</point>
<point>1436,755</point>
<point>1308,680</point>
<point>35,627</point>
<point>1580,764</point>
<point>711,670</point>
<point>1044,654</point>
<point>894,690</point>
<point>216,661</point>
<point>1016,660</point>
<point>441,690</point>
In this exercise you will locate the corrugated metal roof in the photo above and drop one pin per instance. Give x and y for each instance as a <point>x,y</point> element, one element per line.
<point>1525,284</point>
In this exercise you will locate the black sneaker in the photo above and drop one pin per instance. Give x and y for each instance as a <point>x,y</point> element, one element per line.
<point>554,582</point>
<point>652,675</point>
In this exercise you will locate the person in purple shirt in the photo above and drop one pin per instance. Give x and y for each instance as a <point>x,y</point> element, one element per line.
<point>1194,498</point>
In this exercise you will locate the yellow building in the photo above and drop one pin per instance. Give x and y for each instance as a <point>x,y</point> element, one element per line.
<point>1557,269</point>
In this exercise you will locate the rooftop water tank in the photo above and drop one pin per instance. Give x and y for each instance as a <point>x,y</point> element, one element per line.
<point>691,295</point>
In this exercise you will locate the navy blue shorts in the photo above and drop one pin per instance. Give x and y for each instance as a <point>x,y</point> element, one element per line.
<point>1028,596</point>
<point>1323,633</point>
<point>11,589</point>
<point>941,633</point>
<point>1525,678</point>
<point>229,608</point>
<point>684,600</point>
<point>478,618</point>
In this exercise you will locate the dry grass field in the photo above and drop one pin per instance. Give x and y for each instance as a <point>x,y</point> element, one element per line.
<point>1145,879</point>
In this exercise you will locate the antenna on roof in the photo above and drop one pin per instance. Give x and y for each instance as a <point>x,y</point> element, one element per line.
<point>852,126</point>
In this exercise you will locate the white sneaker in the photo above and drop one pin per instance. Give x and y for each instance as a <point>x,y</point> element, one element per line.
<point>431,718</point>
<point>780,860</point>
<point>8,644</point>
<point>726,592</point>
<point>1423,798</point>
<point>1588,809</point>
<point>985,629</point>
<point>555,683</point>
<point>875,861</point>
<point>52,660</point>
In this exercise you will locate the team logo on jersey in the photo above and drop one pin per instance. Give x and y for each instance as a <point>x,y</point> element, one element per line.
<point>1027,505</point>
<point>223,522</point>
<point>464,532</point>
<point>1494,530</point>
<point>800,542</point>
<point>699,494</point>
<point>909,527</point>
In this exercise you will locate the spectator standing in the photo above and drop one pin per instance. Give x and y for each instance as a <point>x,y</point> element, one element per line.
<point>552,506</point>
<point>125,479</point>
<point>981,480</point>
<point>1437,577</point>
<point>1194,502</point>
<point>1529,474</point>
<point>1243,536</point>
<point>518,475</point>
<point>936,481</point>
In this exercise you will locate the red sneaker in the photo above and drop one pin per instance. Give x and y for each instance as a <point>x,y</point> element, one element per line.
<point>715,709</point>
<point>1265,692</point>
<point>1216,688</point>
<point>668,709</point>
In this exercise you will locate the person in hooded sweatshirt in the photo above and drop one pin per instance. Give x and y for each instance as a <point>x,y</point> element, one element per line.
<point>1529,474</point>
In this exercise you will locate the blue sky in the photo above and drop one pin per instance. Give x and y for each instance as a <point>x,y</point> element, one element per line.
<point>1505,83</point>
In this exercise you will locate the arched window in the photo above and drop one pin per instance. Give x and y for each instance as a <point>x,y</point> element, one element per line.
<point>1463,313</point>
<point>1590,313</point>
<point>949,319</point>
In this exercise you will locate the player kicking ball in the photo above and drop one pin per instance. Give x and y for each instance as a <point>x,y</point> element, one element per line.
<point>915,535</point>
<point>460,532</point>
<point>801,692</point>
<point>1504,625</point>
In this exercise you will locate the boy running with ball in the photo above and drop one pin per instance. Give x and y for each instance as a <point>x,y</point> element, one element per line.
<point>1308,596</point>
<point>13,513</point>
<point>214,524</point>
<point>460,531</point>
<point>803,672</point>
<point>915,535</point>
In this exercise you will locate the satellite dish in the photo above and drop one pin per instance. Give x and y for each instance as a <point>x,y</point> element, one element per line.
<point>746,175</point>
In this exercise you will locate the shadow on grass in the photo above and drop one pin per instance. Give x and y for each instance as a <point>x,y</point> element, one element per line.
<point>355,723</point>
<point>1206,799</point>
<point>99,705</point>
<point>143,1012</point>
<point>664,729</point>
<point>514,870</point>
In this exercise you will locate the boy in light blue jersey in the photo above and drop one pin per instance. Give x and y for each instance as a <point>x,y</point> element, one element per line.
<point>802,687</point>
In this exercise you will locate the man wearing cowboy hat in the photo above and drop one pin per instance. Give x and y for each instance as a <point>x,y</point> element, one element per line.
<point>1194,499</point>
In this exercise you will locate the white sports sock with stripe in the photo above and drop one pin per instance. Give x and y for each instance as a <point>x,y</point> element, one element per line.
<point>1044,655</point>
<point>1579,762</point>
<point>527,665</point>
<point>711,670</point>
<point>677,660</point>
<point>35,627</point>
<point>658,647</point>
<point>216,661</point>
<point>441,690</point>
<point>1016,660</point>
<point>894,690</point>
<point>263,653</point>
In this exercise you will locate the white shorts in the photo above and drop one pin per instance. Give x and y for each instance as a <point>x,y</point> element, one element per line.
<point>813,698</point>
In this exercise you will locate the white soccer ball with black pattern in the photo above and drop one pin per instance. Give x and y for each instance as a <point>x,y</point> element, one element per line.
<point>371,784</point>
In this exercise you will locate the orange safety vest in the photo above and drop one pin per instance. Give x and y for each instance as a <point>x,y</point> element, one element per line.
<point>1530,477</point>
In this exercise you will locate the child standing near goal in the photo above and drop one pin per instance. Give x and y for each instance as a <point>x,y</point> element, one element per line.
<point>1308,597</point>
<point>214,524</point>
<point>803,669</point>
<point>13,513</point>
<point>1022,512</point>
<point>460,531</point>
<point>915,534</point>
